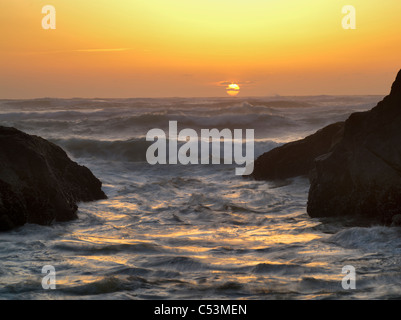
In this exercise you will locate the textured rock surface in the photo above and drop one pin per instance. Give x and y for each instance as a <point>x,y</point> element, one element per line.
<point>362,173</point>
<point>39,183</point>
<point>296,158</point>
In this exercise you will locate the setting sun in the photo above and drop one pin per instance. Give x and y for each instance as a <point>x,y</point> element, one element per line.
<point>183,48</point>
<point>233,89</point>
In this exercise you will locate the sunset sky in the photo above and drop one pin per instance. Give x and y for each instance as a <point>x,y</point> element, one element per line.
<point>163,48</point>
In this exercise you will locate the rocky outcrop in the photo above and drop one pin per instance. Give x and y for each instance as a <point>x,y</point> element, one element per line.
<point>39,183</point>
<point>361,176</point>
<point>296,158</point>
<point>354,166</point>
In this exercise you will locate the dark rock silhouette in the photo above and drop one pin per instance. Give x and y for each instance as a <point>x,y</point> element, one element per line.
<point>354,166</point>
<point>361,176</point>
<point>39,183</point>
<point>296,158</point>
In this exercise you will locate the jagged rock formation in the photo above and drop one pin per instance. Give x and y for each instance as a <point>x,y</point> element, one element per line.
<point>39,183</point>
<point>354,167</point>
<point>296,158</point>
<point>362,174</point>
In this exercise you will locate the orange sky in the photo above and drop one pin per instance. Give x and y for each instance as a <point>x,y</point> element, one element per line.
<point>159,48</point>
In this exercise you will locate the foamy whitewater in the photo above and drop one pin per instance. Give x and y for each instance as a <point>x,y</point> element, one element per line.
<point>197,231</point>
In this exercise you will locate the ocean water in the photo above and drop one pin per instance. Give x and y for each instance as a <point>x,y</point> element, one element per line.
<point>196,231</point>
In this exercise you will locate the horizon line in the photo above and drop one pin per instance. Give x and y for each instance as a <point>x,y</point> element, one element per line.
<point>200,97</point>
